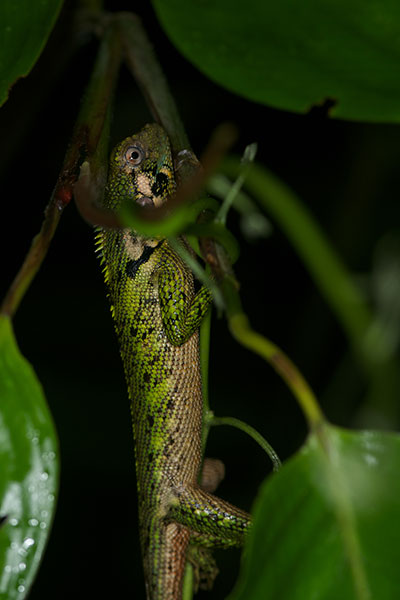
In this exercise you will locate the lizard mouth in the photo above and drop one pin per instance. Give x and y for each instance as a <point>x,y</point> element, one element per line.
<point>145,201</point>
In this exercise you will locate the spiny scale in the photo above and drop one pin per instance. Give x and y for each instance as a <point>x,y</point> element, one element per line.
<point>157,315</point>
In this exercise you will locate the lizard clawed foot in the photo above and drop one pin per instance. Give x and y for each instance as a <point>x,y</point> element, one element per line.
<point>212,473</point>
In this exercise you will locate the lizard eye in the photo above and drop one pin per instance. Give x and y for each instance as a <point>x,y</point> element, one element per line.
<point>134,155</point>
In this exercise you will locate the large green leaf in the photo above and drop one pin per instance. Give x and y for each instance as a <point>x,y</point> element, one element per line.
<point>24,28</point>
<point>28,469</point>
<point>327,526</point>
<point>293,54</point>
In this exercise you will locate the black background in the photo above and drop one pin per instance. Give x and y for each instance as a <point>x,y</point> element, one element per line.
<point>346,174</point>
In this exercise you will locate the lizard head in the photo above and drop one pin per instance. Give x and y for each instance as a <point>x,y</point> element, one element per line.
<point>141,169</point>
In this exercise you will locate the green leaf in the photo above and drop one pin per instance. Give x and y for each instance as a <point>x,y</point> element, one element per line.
<point>28,469</point>
<point>327,525</point>
<point>25,26</point>
<point>292,55</point>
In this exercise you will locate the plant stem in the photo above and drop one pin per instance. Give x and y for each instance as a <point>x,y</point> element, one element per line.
<point>366,335</point>
<point>257,437</point>
<point>242,331</point>
<point>88,138</point>
<point>322,261</point>
<point>141,60</point>
<point>187,588</point>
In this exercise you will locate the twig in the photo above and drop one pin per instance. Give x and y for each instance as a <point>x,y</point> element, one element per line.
<point>141,60</point>
<point>88,138</point>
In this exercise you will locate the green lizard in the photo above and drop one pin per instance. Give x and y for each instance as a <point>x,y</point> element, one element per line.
<point>157,315</point>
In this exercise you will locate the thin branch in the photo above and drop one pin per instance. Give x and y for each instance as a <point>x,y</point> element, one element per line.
<point>257,437</point>
<point>145,68</point>
<point>242,331</point>
<point>88,138</point>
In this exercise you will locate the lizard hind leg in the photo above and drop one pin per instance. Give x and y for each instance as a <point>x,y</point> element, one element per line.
<point>215,522</point>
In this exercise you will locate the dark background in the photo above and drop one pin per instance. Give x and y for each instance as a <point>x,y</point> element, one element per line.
<point>347,175</point>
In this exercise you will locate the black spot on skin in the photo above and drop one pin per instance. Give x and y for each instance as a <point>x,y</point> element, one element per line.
<point>170,404</point>
<point>150,420</point>
<point>133,331</point>
<point>146,377</point>
<point>160,184</point>
<point>132,266</point>
<point>150,457</point>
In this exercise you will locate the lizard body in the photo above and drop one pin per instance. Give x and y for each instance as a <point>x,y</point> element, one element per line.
<point>157,315</point>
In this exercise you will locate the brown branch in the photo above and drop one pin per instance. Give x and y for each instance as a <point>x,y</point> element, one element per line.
<point>141,60</point>
<point>88,138</point>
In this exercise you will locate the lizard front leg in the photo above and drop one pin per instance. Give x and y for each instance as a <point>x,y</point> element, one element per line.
<point>181,316</point>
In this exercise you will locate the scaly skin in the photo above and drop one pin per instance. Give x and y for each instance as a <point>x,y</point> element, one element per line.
<point>157,315</point>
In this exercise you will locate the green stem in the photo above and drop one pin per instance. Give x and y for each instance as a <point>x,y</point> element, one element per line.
<point>310,243</point>
<point>257,437</point>
<point>188,579</point>
<point>242,331</point>
<point>236,186</point>
<point>162,221</point>
<point>366,335</point>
